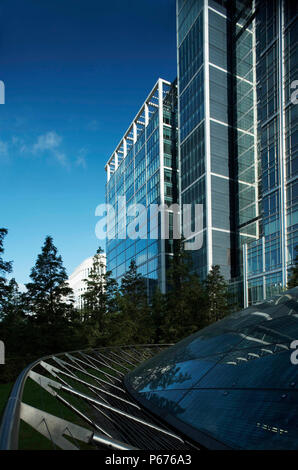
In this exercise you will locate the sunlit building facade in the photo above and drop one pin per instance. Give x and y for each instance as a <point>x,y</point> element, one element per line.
<point>237,137</point>
<point>217,130</point>
<point>143,169</point>
<point>237,148</point>
<point>269,259</point>
<point>77,282</point>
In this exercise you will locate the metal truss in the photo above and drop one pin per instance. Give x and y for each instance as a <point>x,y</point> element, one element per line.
<point>92,408</point>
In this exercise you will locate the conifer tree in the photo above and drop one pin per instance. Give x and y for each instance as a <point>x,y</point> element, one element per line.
<point>186,299</point>
<point>5,268</point>
<point>293,279</point>
<point>158,312</point>
<point>133,323</point>
<point>99,300</point>
<point>12,307</point>
<point>218,297</point>
<point>48,296</point>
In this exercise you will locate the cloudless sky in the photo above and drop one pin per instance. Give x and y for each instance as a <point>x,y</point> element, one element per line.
<point>76,72</point>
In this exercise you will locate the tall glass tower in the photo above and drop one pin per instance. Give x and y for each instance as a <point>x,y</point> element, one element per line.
<point>143,169</point>
<point>237,128</point>
<point>217,123</point>
<point>268,260</point>
<point>237,147</point>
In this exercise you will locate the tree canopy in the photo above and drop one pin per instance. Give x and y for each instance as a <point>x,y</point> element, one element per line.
<point>48,294</point>
<point>5,268</point>
<point>293,279</point>
<point>43,320</point>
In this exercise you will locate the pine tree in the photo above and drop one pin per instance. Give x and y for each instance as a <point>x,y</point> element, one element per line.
<point>12,308</point>
<point>293,280</point>
<point>99,300</point>
<point>158,312</point>
<point>133,323</point>
<point>48,296</point>
<point>5,268</point>
<point>186,300</point>
<point>218,297</point>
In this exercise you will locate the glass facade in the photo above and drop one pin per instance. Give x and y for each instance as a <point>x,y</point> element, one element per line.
<point>237,137</point>
<point>143,168</point>
<point>232,384</point>
<point>191,97</point>
<point>217,115</point>
<point>268,260</point>
<point>237,147</point>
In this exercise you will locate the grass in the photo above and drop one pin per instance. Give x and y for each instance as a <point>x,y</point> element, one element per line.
<point>29,439</point>
<point>34,395</point>
<point>5,390</point>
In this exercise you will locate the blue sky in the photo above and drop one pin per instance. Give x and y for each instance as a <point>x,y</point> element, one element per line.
<point>75,72</point>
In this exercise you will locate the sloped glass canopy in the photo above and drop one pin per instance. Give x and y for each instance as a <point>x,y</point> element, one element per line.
<point>232,384</point>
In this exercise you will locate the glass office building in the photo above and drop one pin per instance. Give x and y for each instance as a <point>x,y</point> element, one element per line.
<point>269,259</point>
<point>232,385</point>
<point>237,147</point>
<point>237,129</point>
<point>143,169</point>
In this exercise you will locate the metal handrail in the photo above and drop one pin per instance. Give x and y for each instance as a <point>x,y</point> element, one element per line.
<point>9,430</point>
